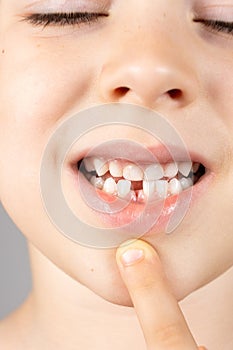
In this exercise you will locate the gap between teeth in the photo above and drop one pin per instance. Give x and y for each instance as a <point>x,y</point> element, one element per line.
<point>157,180</point>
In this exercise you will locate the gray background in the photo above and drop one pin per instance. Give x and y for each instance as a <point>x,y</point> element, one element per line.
<point>15,276</point>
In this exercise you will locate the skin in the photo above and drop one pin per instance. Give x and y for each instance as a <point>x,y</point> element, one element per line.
<point>73,284</point>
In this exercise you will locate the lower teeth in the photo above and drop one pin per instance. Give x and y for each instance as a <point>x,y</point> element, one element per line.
<point>150,189</point>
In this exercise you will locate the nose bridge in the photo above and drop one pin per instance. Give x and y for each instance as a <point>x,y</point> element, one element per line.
<point>147,62</point>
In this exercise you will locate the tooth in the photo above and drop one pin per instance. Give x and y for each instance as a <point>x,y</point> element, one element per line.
<point>101,166</point>
<point>185,168</point>
<point>110,186</point>
<point>123,188</point>
<point>141,196</point>
<point>161,187</point>
<point>153,172</point>
<point>133,196</point>
<point>195,167</point>
<point>174,186</point>
<point>89,164</point>
<point>186,183</point>
<point>170,170</point>
<point>148,188</point>
<point>98,182</point>
<point>133,173</point>
<point>115,168</point>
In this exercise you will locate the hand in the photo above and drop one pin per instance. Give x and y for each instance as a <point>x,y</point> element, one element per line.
<point>159,314</point>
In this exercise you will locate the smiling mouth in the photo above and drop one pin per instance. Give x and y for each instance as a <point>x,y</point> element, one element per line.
<point>139,189</point>
<point>140,181</point>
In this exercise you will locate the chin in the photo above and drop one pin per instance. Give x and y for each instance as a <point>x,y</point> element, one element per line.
<point>119,297</point>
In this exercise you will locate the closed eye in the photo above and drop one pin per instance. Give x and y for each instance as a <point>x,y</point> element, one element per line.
<point>216,25</point>
<point>63,19</point>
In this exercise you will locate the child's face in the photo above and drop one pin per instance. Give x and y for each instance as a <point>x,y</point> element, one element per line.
<point>145,52</point>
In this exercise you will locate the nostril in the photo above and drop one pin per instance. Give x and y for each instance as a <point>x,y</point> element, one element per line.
<point>175,94</point>
<point>121,91</point>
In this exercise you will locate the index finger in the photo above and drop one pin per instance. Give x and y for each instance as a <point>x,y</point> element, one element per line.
<point>162,321</point>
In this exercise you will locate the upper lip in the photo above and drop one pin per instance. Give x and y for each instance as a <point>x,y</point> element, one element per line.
<point>136,153</point>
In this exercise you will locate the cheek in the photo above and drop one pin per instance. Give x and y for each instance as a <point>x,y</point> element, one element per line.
<point>37,88</point>
<point>42,81</point>
<point>218,84</point>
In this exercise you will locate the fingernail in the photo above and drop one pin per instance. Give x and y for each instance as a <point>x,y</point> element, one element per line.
<point>131,256</point>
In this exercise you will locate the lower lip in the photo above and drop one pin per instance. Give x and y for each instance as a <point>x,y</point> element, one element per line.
<point>139,218</point>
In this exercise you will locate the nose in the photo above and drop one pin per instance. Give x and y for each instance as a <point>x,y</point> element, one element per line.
<point>154,75</point>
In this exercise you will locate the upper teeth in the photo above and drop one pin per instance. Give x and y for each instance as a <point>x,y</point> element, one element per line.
<point>153,172</point>
<point>115,168</point>
<point>185,168</point>
<point>101,166</point>
<point>133,172</point>
<point>170,170</point>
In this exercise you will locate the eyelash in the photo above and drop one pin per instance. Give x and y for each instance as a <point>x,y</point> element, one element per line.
<point>216,26</point>
<point>76,18</point>
<point>63,19</point>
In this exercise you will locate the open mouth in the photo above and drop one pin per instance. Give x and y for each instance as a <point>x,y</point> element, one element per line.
<point>142,182</point>
<point>124,185</point>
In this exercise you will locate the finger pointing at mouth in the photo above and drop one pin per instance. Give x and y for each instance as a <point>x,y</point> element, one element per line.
<point>162,321</point>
